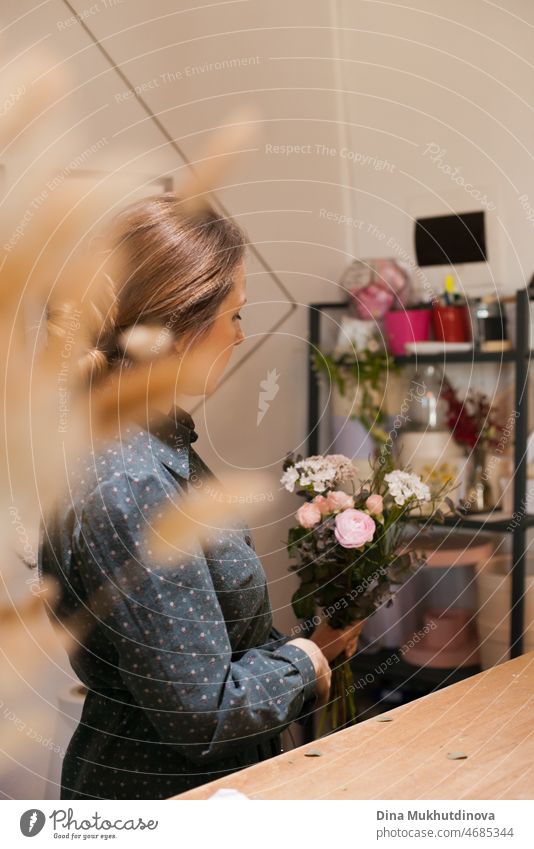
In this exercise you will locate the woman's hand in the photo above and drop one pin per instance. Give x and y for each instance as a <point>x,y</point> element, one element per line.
<point>320,664</point>
<point>336,641</point>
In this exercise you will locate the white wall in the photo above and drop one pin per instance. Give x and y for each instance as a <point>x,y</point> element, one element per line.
<point>458,76</point>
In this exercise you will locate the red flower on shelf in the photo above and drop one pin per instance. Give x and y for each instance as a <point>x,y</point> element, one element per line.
<point>472,421</point>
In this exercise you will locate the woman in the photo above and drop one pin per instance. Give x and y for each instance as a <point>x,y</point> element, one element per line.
<point>187,678</point>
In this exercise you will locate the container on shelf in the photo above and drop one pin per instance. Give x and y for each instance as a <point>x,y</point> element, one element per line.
<point>446,640</point>
<point>402,326</point>
<point>427,443</point>
<point>451,323</point>
<point>446,581</point>
<point>426,409</point>
<point>448,578</point>
<point>444,550</point>
<point>489,323</point>
<point>479,494</point>
<point>424,442</point>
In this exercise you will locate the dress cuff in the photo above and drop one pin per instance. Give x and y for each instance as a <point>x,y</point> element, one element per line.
<point>302,661</point>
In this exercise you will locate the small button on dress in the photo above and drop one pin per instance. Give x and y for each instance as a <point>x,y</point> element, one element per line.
<point>188,680</point>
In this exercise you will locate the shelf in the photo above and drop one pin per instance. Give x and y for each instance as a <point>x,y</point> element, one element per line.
<point>494,521</point>
<point>474,355</point>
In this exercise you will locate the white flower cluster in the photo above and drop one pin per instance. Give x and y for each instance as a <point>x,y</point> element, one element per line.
<point>404,485</point>
<point>321,472</point>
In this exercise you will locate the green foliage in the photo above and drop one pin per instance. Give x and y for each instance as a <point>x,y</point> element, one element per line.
<point>303,601</point>
<point>296,535</point>
<point>369,370</point>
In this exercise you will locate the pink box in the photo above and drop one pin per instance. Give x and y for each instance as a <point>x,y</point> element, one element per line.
<point>403,326</point>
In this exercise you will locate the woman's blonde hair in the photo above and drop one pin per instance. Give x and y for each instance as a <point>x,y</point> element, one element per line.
<point>175,270</point>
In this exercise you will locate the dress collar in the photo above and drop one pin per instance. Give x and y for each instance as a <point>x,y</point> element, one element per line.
<point>168,438</point>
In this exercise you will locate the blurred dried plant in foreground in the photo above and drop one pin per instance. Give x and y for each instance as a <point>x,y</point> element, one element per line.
<point>27,639</point>
<point>208,507</point>
<point>51,277</point>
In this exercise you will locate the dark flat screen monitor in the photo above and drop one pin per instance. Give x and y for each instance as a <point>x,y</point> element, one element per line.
<point>451,239</point>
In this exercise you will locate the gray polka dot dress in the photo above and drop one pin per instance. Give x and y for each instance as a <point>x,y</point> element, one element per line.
<point>188,680</point>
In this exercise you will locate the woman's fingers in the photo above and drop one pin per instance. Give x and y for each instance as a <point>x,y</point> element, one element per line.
<point>336,641</point>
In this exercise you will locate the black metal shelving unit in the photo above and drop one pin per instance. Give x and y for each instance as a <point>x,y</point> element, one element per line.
<point>520,358</point>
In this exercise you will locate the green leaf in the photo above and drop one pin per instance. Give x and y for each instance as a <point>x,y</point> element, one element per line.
<point>303,601</point>
<point>295,536</point>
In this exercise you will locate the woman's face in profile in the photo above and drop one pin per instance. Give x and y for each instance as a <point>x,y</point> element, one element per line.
<point>205,361</point>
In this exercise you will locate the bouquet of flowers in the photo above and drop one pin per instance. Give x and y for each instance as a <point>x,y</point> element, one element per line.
<point>350,548</point>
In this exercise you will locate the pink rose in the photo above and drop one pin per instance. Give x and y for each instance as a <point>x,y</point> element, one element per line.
<point>339,500</point>
<point>354,528</point>
<point>375,504</point>
<point>322,503</point>
<point>308,515</point>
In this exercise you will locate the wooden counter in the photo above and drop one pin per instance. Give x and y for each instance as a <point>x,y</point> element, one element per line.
<point>489,717</point>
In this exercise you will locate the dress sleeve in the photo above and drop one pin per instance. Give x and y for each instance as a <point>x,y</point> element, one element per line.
<point>164,619</point>
<point>278,639</point>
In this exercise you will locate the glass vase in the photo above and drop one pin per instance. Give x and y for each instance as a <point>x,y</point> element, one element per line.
<point>479,494</point>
